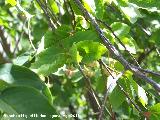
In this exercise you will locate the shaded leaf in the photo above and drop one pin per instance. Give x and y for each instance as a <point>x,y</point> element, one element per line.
<point>14,75</point>
<point>25,100</point>
<point>116,98</point>
<point>49,60</point>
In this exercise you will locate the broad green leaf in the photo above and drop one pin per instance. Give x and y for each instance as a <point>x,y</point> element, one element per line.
<point>75,56</point>
<point>52,38</point>
<point>154,112</point>
<point>89,5</point>
<point>20,60</point>
<point>131,12</point>
<point>118,66</point>
<point>147,3</point>
<point>12,2</point>
<point>14,75</point>
<point>99,8</point>
<point>90,50</point>
<point>142,96</point>
<point>25,100</point>
<point>155,38</point>
<point>3,22</point>
<point>18,75</point>
<point>80,36</point>
<point>138,90</point>
<point>49,60</point>
<point>39,30</point>
<point>116,98</point>
<point>127,86</point>
<point>129,44</point>
<point>120,29</point>
<point>54,6</point>
<point>3,85</point>
<point>75,8</point>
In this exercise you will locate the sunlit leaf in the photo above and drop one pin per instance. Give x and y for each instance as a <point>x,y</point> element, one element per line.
<point>12,2</point>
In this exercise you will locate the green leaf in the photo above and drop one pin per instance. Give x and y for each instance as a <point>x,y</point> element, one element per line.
<point>18,75</point>
<point>80,36</point>
<point>120,29</point>
<point>3,85</point>
<point>155,112</point>
<point>139,91</point>
<point>99,8</point>
<point>129,43</point>
<point>90,50</point>
<point>118,66</point>
<point>142,96</point>
<point>131,12</point>
<point>12,2</point>
<point>116,98</point>
<point>25,100</point>
<point>49,60</point>
<point>51,38</point>
<point>147,3</point>
<point>54,6</point>
<point>155,38</point>
<point>75,8</point>
<point>75,56</point>
<point>14,75</point>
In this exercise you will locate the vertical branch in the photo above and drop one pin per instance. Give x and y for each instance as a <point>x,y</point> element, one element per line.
<point>91,94</point>
<point>72,15</point>
<point>5,45</point>
<point>46,14</point>
<point>21,35</point>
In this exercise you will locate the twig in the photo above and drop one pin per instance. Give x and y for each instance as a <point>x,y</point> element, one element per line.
<point>73,15</point>
<point>29,35</point>
<point>119,40</point>
<point>5,45</point>
<point>125,93</point>
<point>149,71</point>
<point>50,13</point>
<point>16,46</point>
<point>46,14</point>
<point>115,53</point>
<point>145,54</point>
<point>91,93</point>
<point>105,97</point>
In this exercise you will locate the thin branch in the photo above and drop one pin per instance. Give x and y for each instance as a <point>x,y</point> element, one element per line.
<point>29,35</point>
<point>115,53</point>
<point>46,14</point>
<point>119,40</point>
<point>132,101</point>
<point>16,46</point>
<point>149,71</point>
<point>105,96</point>
<point>91,93</point>
<point>5,45</point>
<point>125,93</point>
<point>145,54</point>
<point>51,13</point>
<point>73,15</point>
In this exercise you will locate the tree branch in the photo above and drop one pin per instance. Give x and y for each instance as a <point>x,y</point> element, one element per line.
<point>91,94</point>
<point>116,54</point>
<point>5,45</point>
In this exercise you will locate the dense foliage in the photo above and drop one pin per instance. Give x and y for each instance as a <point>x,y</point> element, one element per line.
<point>98,59</point>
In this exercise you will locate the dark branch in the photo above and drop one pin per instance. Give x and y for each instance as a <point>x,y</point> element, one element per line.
<point>116,54</point>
